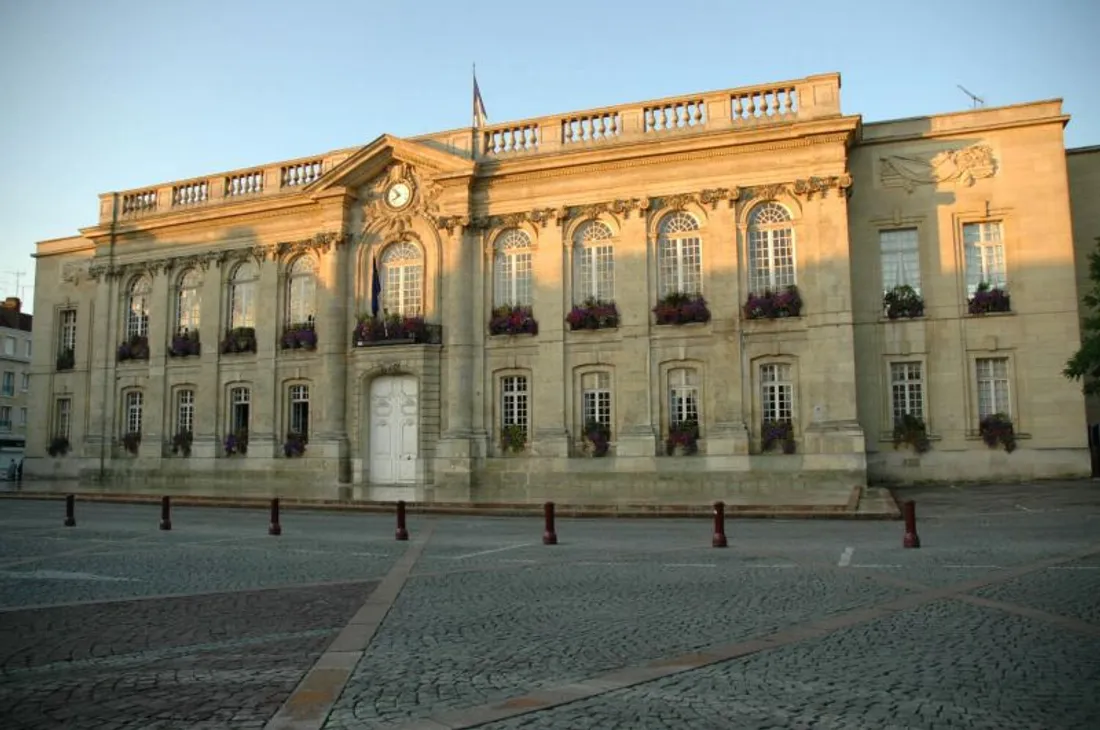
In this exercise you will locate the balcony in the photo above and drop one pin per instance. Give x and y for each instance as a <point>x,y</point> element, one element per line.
<point>393,330</point>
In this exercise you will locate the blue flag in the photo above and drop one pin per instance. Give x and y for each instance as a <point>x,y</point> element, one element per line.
<point>375,289</point>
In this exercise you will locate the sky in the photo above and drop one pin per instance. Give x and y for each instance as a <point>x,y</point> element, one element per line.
<point>110,95</point>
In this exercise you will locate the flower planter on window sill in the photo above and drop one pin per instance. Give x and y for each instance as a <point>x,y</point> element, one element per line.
<point>513,440</point>
<point>997,430</point>
<point>181,443</point>
<point>131,442</point>
<point>295,445</point>
<point>594,314</point>
<point>513,321</point>
<point>136,348</point>
<point>236,444</point>
<point>597,439</point>
<point>774,305</point>
<point>300,336</point>
<point>680,309</point>
<point>777,436</point>
<point>185,344</point>
<point>989,300</point>
<point>683,438</point>
<point>66,359</point>
<point>911,431</point>
<point>395,330</point>
<point>59,446</point>
<point>239,339</point>
<point>902,302</point>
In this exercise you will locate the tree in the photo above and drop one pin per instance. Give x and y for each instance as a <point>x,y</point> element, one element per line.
<point>1085,364</point>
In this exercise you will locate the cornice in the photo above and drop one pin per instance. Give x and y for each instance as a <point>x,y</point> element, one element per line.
<point>1061,119</point>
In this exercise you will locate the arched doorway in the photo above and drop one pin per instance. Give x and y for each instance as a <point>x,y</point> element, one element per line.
<point>394,429</point>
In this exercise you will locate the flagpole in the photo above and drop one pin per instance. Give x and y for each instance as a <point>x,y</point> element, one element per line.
<point>473,114</point>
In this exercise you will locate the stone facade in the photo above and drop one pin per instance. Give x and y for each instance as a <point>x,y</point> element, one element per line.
<point>15,375</point>
<point>497,368</point>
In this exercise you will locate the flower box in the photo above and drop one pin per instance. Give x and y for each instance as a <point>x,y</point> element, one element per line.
<point>677,308</point>
<point>598,436</point>
<point>181,443</point>
<point>513,321</point>
<point>903,301</point>
<point>594,314</point>
<point>236,443</point>
<point>997,429</point>
<point>683,436</point>
<point>390,328</point>
<point>66,359</point>
<point>774,305</point>
<point>136,348</point>
<point>59,446</point>
<point>989,299</point>
<point>910,429</point>
<point>513,438</point>
<point>184,344</point>
<point>777,432</point>
<point>300,336</point>
<point>295,445</point>
<point>131,441</point>
<point>239,339</point>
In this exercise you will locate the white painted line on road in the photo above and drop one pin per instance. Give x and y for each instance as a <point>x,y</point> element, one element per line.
<point>1074,567</point>
<point>1025,509</point>
<point>517,560</point>
<point>876,565</point>
<point>61,575</point>
<point>494,550</point>
<point>689,565</point>
<point>951,565</point>
<point>772,565</point>
<point>846,557</point>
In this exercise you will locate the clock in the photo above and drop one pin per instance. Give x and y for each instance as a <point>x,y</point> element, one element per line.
<point>398,195</point>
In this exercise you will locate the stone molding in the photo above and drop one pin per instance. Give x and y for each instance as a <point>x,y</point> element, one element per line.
<point>960,166</point>
<point>383,220</point>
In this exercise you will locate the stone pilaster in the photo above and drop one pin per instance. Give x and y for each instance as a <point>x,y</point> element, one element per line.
<point>550,435</point>
<point>211,409</point>
<point>157,422</point>
<point>265,438</point>
<point>334,331</point>
<point>634,406</point>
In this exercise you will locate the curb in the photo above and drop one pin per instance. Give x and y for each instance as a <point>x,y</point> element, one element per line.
<point>490,509</point>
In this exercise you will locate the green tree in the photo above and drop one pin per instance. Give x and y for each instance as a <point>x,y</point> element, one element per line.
<point>1085,364</point>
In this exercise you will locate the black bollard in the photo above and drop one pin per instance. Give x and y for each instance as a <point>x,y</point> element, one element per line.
<point>275,528</point>
<point>549,536</point>
<point>166,513</point>
<point>719,539</point>
<point>70,511</point>
<point>401,533</point>
<point>911,539</point>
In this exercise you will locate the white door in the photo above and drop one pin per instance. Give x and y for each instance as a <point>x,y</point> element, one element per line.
<point>394,413</point>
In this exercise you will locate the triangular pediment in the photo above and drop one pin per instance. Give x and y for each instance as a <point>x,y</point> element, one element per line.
<point>372,160</point>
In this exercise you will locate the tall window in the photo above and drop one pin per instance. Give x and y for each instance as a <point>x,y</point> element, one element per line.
<point>596,398</point>
<point>512,285</point>
<point>771,249</point>
<point>242,295</point>
<point>22,416</point>
<point>68,330</point>
<point>133,411</point>
<point>299,410</point>
<point>301,291</point>
<point>240,405</point>
<point>5,418</point>
<point>9,383</point>
<point>907,389</point>
<point>900,254</point>
<point>9,345</point>
<point>683,396</point>
<point>680,255</point>
<point>513,401</point>
<point>185,411</point>
<point>137,308</point>
<point>27,348</point>
<point>188,302</point>
<point>402,275</point>
<point>26,381</point>
<point>985,255</point>
<point>594,260</point>
<point>63,418</point>
<point>993,387</point>
<point>776,392</point>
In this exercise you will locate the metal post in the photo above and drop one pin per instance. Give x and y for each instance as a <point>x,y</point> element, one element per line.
<point>402,532</point>
<point>70,511</point>
<point>719,539</point>
<point>166,513</point>
<point>911,540</point>
<point>549,537</point>
<point>275,528</point>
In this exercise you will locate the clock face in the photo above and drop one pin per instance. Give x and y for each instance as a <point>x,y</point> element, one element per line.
<point>398,195</point>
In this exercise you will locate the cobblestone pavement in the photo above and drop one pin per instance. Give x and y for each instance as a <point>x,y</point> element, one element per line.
<point>993,623</point>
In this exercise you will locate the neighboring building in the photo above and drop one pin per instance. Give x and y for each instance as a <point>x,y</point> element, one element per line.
<point>15,380</point>
<point>221,312</point>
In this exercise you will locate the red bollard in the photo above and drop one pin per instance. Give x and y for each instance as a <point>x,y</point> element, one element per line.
<point>549,537</point>
<point>719,539</point>
<point>402,533</point>
<point>166,513</point>
<point>70,511</point>
<point>912,540</point>
<point>275,528</point>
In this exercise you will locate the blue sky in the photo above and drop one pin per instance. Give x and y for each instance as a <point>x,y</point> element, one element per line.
<point>113,95</point>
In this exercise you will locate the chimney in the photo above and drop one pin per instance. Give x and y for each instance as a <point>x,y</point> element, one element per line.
<point>12,303</point>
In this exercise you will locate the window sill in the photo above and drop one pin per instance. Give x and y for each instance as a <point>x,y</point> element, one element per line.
<point>892,320</point>
<point>990,314</point>
<point>977,436</point>
<point>887,437</point>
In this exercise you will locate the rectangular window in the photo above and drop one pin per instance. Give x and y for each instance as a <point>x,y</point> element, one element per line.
<point>681,266</point>
<point>776,392</point>
<point>513,402</point>
<point>985,255</point>
<point>63,418</point>
<point>5,418</point>
<point>242,305</point>
<point>9,383</point>
<point>22,416</point>
<point>513,283</point>
<point>771,259</point>
<point>26,381</point>
<point>993,387</point>
<point>240,405</point>
<point>900,252</point>
<point>596,398</point>
<point>907,389</point>
<point>595,273</point>
<point>9,345</point>
<point>68,330</point>
<point>27,348</point>
<point>185,411</point>
<point>132,416</point>
<point>683,397</point>
<point>299,410</point>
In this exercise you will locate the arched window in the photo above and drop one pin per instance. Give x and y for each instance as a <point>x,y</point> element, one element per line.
<point>680,255</point>
<point>137,308</point>
<point>188,302</point>
<point>242,295</point>
<point>301,291</point>
<point>402,275</point>
<point>771,249</point>
<point>512,265</point>
<point>594,263</point>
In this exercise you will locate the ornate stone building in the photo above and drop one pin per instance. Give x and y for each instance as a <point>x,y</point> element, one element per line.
<point>666,300</point>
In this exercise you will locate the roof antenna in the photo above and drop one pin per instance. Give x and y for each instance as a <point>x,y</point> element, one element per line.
<point>976,100</point>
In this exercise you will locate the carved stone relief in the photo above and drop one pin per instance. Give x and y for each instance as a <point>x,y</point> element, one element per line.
<point>809,187</point>
<point>961,166</point>
<point>382,219</point>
